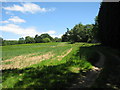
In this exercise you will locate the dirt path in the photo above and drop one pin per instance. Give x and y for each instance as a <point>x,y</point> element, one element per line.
<point>88,79</point>
<point>63,55</point>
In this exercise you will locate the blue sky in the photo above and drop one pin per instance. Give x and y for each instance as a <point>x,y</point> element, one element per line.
<point>23,19</point>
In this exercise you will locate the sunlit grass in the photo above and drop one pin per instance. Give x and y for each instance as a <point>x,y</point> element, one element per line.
<point>48,73</point>
<point>11,51</point>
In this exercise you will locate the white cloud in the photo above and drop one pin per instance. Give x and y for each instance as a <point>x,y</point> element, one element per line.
<point>16,19</point>
<point>9,13</point>
<point>23,32</point>
<point>4,21</point>
<point>11,39</point>
<point>50,32</point>
<point>19,30</point>
<point>28,7</point>
<point>59,36</point>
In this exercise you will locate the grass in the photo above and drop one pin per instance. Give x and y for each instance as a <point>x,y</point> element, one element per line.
<point>51,73</point>
<point>55,73</point>
<point>24,49</point>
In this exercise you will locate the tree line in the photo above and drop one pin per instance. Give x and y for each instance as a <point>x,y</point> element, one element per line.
<point>79,33</point>
<point>82,33</point>
<point>43,38</point>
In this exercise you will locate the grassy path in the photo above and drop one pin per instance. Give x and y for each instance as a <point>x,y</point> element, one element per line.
<point>89,78</point>
<point>107,77</point>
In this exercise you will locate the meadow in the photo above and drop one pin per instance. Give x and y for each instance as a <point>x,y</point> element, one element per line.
<point>52,65</point>
<point>56,65</point>
<point>43,65</point>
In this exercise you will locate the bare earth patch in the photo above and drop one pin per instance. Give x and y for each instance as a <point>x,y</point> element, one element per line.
<point>19,57</point>
<point>24,61</point>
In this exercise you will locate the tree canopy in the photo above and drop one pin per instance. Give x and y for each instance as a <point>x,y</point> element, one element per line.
<point>79,33</point>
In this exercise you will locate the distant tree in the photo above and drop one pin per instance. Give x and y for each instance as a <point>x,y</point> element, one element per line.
<point>38,39</point>
<point>46,36</point>
<point>21,40</point>
<point>56,39</point>
<point>46,40</point>
<point>9,42</point>
<point>29,39</point>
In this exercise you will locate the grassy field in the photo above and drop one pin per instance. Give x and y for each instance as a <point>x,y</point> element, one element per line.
<point>24,49</point>
<point>43,65</point>
<point>56,65</point>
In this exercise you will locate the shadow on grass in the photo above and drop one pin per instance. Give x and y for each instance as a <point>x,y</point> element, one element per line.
<point>43,77</point>
<point>57,76</point>
<point>90,53</point>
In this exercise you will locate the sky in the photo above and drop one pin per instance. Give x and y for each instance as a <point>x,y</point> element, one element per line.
<point>20,19</point>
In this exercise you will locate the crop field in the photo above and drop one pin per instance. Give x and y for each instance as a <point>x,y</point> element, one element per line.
<point>42,65</point>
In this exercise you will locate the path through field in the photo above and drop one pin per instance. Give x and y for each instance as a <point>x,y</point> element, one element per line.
<point>62,56</point>
<point>23,61</point>
<point>88,79</point>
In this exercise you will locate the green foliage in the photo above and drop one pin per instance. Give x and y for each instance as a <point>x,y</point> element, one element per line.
<point>29,39</point>
<point>79,33</point>
<point>9,42</point>
<point>46,36</point>
<point>46,40</point>
<point>21,40</point>
<point>38,39</point>
<point>56,39</point>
